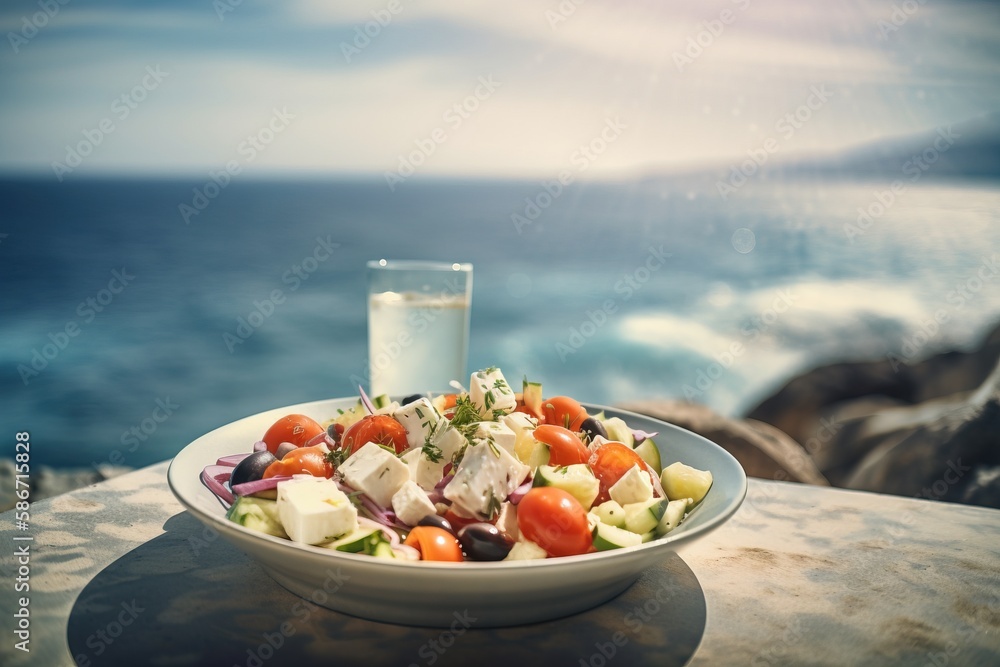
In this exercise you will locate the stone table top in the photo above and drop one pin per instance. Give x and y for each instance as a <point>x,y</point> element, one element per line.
<point>120,574</point>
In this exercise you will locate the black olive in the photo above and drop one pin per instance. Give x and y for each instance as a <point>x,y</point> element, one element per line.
<point>251,468</point>
<point>483,541</point>
<point>593,428</point>
<point>412,397</point>
<point>437,522</point>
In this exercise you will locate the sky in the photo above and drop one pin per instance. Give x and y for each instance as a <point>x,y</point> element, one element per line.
<point>518,89</point>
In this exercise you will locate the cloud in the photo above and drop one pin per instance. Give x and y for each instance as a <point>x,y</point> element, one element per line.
<point>561,81</point>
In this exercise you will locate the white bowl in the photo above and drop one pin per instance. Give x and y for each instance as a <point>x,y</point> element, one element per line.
<point>435,594</point>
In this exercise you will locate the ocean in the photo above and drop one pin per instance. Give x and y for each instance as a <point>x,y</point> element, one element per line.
<point>118,301</point>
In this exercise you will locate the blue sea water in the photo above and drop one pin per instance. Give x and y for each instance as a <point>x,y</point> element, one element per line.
<point>609,292</point>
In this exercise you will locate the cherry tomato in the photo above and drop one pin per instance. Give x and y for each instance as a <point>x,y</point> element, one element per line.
<point>565,448</point>
<point>563,411</point>
<point>304,460</point>
<point>434,543</point>
<point>381,429</point>
<point>612,460</point>
<point>296,429</point>
<point>554,520</point>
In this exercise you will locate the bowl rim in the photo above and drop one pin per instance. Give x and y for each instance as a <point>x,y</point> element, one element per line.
<point>669,542</point>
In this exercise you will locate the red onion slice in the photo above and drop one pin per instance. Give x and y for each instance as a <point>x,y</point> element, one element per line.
<point>405,552</point>
<point>259,446</point>
<point>256,486</point>
<point>369,406</point>
<point>444,481</point>
<point>321,438</point>
<point>283,450</point>
<point>642,435</point>
<point>437,496</point>
<point>518,493</point>
<point>211,479</point>
<point>232,460</point>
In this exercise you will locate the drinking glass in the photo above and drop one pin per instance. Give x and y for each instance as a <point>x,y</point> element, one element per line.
<point>418,325</point>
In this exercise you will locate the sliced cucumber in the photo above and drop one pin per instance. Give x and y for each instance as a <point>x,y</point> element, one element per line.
<point>531,394</point>
<point>672,517</point>
<point>650,453</point>
<point>683,481</point>
<point>648,537</point>
<point>529,451</point>
<point>381,401</point>
<point>525,550</point>
<point>348,417</point>
<point>609,537</point>
<point>383,549</point>
<point>618,431</point>
<point>257,514</point>
<point>643,517</point>
<point>362,540</point>
<point>577,479</point>
<point>611,513</point>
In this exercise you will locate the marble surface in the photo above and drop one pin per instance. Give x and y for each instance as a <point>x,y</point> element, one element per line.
<point>802,575</point>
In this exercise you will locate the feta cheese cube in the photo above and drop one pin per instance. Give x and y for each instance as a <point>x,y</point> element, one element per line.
<point>375,472</point>
<point>497,432</point>
<point>484,479</point>
<point>489,391</point>
<point>411,504</point>
<point>313,510</point>
<point>426,471</point>
<point>633,487</point>
<point>519,421</point>
<point>419,419</point>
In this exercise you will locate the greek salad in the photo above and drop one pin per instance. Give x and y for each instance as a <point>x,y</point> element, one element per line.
<point>486,474</point>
